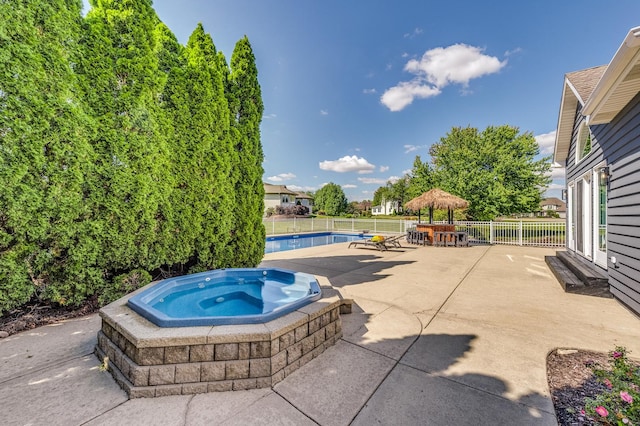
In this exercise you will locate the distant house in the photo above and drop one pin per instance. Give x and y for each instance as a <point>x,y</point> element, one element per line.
<point>304,200</point>
<point>280,195</point>
<point>387,208</point>
<point>598,141</point>
<point>555,205</point>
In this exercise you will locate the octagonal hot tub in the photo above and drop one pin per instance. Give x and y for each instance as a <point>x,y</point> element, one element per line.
<point>226,297</point>
<point>223,330</point>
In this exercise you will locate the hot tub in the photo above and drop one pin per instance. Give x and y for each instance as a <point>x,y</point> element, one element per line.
<point>225,297</point>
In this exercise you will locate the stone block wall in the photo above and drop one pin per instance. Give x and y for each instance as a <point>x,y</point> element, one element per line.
<point>228,363</point>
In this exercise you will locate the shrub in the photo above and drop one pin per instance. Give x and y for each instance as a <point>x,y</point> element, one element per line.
<point>620,403</point>
<point>123,284</point>
<point>297,210</point>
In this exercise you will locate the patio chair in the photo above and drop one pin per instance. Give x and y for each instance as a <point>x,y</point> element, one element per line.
<point>394,240</point>
<point>375,242</point>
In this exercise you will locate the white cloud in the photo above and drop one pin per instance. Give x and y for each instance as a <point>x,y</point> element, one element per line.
<point>513,51</point>
<point>348,164</point>
<point>369,91</point>
<point>394,179</point>
<point>324,112</point>
<point>267,116</point>
<point>281,177</point>
<point>555,186</point>
<point>557,172</point>
<point>546,142</point>
<point>439,67</point>
<point>458,63</point>
<point>301,188</point>
<point>383,169</point>
<point>411,148</point>
<point>416,32</point>
<point>377,181</point>
<point>406,172</point>
<point>398,97</point>
<point>349,186</point>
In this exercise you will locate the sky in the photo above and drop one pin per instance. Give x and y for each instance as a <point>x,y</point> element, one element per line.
<point>354,90</point>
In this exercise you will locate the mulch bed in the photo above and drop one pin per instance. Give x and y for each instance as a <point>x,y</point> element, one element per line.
<point>571,382</point>
<point>36,314</point>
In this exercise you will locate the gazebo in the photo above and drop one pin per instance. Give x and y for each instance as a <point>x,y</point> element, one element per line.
<point>437,199</point>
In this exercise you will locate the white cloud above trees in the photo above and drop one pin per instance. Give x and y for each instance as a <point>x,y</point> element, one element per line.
<point>546,142</point>
<point>438,68</point>
<point>348,164</point>
<point>281,177</point>
<point>369,181</point>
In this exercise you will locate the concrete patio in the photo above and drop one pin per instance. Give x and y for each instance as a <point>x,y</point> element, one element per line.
<point>438,335</point>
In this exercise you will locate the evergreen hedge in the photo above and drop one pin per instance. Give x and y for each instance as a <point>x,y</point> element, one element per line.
<point>124,156</point>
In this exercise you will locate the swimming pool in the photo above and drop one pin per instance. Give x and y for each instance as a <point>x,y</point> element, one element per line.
<point>293,242</point>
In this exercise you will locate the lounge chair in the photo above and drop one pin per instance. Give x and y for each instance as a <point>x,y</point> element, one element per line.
<point>379,242</point>
<point>380,245</point>
<point>394,240</point>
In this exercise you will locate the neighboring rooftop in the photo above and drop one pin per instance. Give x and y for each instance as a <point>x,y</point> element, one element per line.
<point>277,189</point>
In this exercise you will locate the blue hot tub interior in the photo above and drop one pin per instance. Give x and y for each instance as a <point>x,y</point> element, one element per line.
<point>225,296</point>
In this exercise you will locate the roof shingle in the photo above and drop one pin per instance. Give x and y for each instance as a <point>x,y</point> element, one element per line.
<point>584,81</point>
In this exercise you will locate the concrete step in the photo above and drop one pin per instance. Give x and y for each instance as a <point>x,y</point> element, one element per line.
<point>586,282</point>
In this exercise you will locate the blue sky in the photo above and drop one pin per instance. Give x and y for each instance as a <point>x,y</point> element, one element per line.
<point>354,90</point>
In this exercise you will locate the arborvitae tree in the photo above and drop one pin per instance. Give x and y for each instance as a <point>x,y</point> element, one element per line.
<point>123,85</point>
<point>44,154</point>
<point>245,103</point>
<point>205,151</point>
<point>179,234</point>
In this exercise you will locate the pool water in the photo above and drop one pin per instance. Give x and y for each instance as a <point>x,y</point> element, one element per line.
<point>293,242</point>
<point>225,296</point>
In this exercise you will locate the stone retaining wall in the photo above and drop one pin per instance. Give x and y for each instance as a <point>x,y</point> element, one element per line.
<point>211,359</point>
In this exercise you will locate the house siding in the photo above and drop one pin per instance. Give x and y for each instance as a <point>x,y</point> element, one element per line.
<point>620,146</point>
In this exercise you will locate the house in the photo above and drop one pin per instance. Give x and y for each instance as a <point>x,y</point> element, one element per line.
<point>551,206</point>
<point>280,195</point>
<point>387,208</point>
<point>304,199</point>
<point>598,141</point>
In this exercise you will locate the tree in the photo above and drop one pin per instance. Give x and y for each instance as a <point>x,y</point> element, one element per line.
<point>44,154</point>
<point>495,170</point>
<point>123,83</point>
<point>381,195</point>
<point>245,104</point>
<point>207,149</point>
<point>421,178</point>
<point>395,192</point>
<point>331,199</point>
<point>182,225</point>
<point>398,192</point>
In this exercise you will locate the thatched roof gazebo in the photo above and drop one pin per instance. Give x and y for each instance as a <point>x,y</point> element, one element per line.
<point>436,199</point>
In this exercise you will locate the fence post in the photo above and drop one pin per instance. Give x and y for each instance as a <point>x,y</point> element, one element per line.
<point>520,234</point>
<point>491,232</point>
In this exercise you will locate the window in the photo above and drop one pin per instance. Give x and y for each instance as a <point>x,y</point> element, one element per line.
<point>584,142</point>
